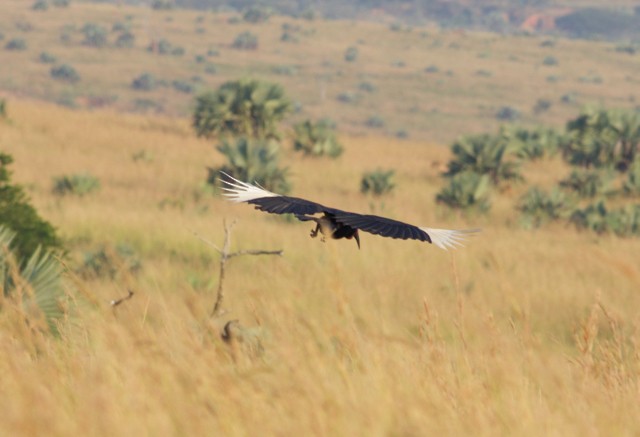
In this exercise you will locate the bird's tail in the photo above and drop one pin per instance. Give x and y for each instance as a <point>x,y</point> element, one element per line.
<point>446,238</point>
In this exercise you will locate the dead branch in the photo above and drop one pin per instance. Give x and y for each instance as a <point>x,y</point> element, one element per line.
<point>226,255</point>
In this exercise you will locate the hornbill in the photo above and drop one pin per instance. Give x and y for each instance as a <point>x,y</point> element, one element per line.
<point>336,223</point>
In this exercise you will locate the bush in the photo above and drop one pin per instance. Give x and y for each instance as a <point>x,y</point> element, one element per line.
<point>17,214</point>
<point>61,3</point>
<point>542,105</point>
<point>597,217</point>
<point>144,82</point>
<point>377,182</point>
<point>631,186</point>
<point>77,184</point>
<point>245,41</point>
<point>40,5</point>
<point>351,54</point>
<point>550,61</point>
<point>3,108</point>
<point>126,40</point>
<point>538,207</point>
<point>484,155</point>
<point>375,121</point>
<point>253,161</point>
<point>65,73</point>
<point>16,44</point>
<point>256,14</point>
<point>507,113</point>
<point>317,139</point>
<point>466,190</point>
<point>588,183</point>
<point>106,262</point>
<point>94,35</point>
<point>245,108</point>
<point>47,58</point>
<point>182,86</point>
<point>532,144</point>
<point>39,272</point>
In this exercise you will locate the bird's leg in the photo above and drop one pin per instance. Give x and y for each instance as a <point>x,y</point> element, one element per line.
<point>314,232</point>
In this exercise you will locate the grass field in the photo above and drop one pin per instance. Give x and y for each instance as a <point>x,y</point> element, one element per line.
<point>518,333</point>
<point>470,75</point>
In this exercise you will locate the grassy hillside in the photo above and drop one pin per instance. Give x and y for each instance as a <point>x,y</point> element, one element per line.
<point>520,332</point>
<point>424,83</point>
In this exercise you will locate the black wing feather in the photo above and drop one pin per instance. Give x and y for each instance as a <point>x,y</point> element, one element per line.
<point>381,226</point>
<point>288,205</point>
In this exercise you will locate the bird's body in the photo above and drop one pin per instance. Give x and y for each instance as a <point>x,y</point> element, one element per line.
<point>336,223</point>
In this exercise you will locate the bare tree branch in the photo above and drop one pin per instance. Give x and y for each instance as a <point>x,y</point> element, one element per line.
<point>226,255</point>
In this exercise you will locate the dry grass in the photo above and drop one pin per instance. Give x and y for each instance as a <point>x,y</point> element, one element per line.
<point>519,333</point>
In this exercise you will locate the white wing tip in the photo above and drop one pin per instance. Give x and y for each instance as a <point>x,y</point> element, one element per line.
<point>449,238</point>
<point>238,191</point>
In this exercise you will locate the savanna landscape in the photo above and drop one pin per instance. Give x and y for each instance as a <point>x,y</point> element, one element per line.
<point>531,328</point>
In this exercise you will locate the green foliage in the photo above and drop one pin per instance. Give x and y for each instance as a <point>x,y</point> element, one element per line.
<point>245,41</point>
<point>631,186</point>
<point>94,35</point>
<point>588,183</point>
<point>603,138</point>
<point>532,144</point>
<point>253,161</point>
<point>3,108</point>
<point>351,54</point>
<point>61,3</point>
<point>256,14</point>
<point>597,217</point>
<point>377,182</point>
<point>538,207</point>
<point>467,190</point>
<point>16,44</point>
<point>245,107</point>
<point>162,5</point>
<point>65,73</point>
<point>126,40</point>
<point>485,155</point>
<point>77,184</point>
<point>47,58</point>
<point>375,121</point>
<point>550,60</point>
<point>17,214</point>
<point>145,82</point>
<point>106,262</point>
<point>182,86</point>
<point>317,139</point>
<point>38,281</point>
<point>507,113</point>
<point>40,5</point>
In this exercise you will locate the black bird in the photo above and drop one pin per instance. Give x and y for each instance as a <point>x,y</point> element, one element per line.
<point>336,223</point>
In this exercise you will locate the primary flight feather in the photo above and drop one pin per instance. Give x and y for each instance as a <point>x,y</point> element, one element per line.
<point>336,223</point>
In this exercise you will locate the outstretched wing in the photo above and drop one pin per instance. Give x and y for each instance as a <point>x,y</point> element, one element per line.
<point>238,191</point>
<point>443,238</point>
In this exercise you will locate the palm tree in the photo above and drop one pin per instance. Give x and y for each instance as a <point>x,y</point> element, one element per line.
<point>244,107</point>
<point>252,160</point>
<point>317,139</point>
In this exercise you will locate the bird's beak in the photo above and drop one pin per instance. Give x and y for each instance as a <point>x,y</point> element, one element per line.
<point>357,237</point>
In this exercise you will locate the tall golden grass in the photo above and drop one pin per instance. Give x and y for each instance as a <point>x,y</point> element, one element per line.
<point>519,333</point>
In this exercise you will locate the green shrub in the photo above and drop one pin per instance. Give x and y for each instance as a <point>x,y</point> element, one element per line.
<point>144,82</point>
<point>107,262</point>
<point>631,186</point>
<point>588,183</point>
<point>16,44</point>
<point>17,214</point>
<point>375,121</point>
<point>550,60</point>
<point>532,144</point>
<point>351,54</point>
<point>245,107</point>
<point>484,155</point>
<point>40,271</point>
<point>538,207</point>
<point>182,86</point>
<point>3,109</point>
<point>47,58</point>
<point>467,190</point>
<point>507,113</point>
<point>40,5</point>
<point>597,217</point>
<point>256,14</point>
<point>61,3</point>
<point>77,184</point>
<point>317,139</point>
<point>377,182</point>
<point>126,40</point>
<point>94,35</point>
<point>245,41</point>
<point>65,73</point>
<point>252,161</point>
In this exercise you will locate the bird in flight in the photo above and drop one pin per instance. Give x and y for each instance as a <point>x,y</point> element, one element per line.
<point>336,223</point>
